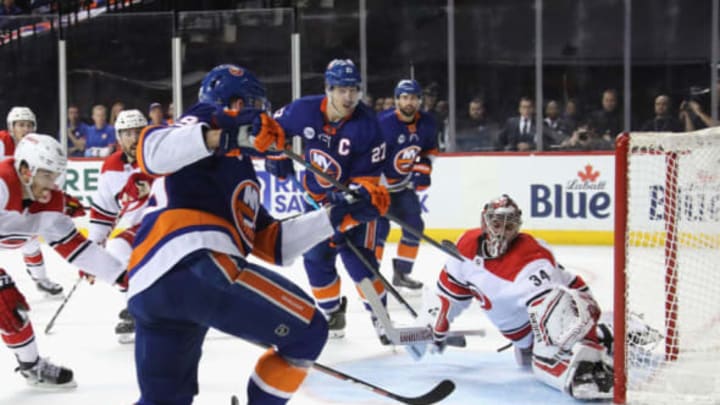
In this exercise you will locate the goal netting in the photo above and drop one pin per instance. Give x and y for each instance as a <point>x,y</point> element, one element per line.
<point>667,267</point>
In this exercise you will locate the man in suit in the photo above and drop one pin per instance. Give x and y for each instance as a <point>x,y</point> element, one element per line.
<point>519,132</point>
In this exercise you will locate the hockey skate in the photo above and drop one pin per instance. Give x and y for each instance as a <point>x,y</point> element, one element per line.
<point>401,276</point>
<point>44,374</point>
<point>125,331</point>
<point>49,287</point>
<point>384,340</point>
<point>592,380</point>
<point>336,321</point>
<point>125,315</point>
<point>403,280</point>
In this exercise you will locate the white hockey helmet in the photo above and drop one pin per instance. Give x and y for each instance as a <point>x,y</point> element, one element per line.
<point>20,114</point>
<point>40,151</point>
<point>128,119</point>
<point>501,220</point>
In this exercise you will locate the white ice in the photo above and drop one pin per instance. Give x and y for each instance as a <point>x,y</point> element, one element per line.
<point>83,339</point>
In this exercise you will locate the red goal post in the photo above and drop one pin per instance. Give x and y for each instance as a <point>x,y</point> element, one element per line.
<point>667,266</point>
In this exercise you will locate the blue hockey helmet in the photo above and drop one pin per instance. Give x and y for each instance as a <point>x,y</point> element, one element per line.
<point>342,73</point>
<point>227,82</point>
<point>407,86</point>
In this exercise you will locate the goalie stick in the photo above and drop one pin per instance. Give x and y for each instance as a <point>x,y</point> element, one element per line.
<point>62,305</point>
<point>408,335</point>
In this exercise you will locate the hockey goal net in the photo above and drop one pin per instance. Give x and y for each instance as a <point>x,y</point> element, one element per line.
<point>667,267</point>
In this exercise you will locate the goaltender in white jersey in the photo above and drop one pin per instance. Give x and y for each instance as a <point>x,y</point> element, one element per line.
<point>546,311</point>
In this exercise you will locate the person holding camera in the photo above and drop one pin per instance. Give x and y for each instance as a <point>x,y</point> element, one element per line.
<point>586,138</point>
<point>691,112</point>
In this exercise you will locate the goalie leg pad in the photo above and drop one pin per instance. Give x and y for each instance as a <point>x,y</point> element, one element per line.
<point>562,317</point>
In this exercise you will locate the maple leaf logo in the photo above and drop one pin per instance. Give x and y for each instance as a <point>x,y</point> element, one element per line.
<point>589,174</point>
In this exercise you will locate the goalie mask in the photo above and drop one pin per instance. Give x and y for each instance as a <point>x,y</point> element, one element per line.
<point>501,220</point>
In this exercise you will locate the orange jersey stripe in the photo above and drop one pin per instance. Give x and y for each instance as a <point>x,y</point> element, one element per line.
<point>377,285</point>
<point>281,297</point>
<point>140,156</point>
<point>327,292</point>
<point>265,241</point>
<point>226,264</point>
<point>277,373</point>
<point>173,220</point>
<point>407,252</point>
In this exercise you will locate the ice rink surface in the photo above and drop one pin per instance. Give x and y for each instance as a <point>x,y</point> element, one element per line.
<point>83,339</point>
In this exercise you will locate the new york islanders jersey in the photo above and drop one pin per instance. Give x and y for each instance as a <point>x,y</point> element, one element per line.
<point>106,204</point>
<point>7,144</point>
<point>405,142</point>
<point>207,201</point>
<point>504,285</point>
<point>22,219</point>
<point>350,149</point>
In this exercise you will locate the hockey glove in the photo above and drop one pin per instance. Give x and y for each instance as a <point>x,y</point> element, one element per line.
<point>73,206</point>
<point>421,173</point>
<point>368,202</point>
<point>11,301</point>
<point>268,133</point>
<point>235,127</point>
<point>279,166</point>
<point>137,188</point>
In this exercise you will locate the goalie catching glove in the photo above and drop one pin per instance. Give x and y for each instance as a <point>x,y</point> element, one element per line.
<point>11,303</point>
<point>368,202</point>
<point>248,128</point>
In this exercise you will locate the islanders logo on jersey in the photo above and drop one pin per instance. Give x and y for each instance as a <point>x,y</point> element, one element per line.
<point>405,158</point>
<point>327,164</point>
<point>245,206</point>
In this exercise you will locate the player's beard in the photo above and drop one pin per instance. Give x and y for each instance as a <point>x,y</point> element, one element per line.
<point>408,111</point>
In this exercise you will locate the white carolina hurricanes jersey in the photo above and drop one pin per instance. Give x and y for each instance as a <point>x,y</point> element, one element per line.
<point>21,220</point>
<point>505,285</point>
<point>106,205</point>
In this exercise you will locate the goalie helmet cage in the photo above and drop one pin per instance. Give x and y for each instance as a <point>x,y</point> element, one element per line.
<point>667,267</point>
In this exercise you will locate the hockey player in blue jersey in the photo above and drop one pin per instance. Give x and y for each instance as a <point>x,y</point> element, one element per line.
<point>341,137</point>
<point>188,270</point>
<point>411,146</point>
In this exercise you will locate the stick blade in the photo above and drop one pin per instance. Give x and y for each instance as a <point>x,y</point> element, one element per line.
<point>437,394</point>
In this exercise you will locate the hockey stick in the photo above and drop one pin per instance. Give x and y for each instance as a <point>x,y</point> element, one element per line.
<point>408,335</point>
<point>437,394</point>
<point>62,305</point>
<point>446,246</point>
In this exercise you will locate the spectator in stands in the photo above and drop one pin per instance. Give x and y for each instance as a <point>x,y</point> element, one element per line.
<point>369,100</point>
<point>585,138</point>
<point>101,135</point>
<point>475,130</point>
<point>170,114</point>
<point>388,103</point>
<point>379,104</point>
<point>8,7</point>
<point>663,121</point>
<point>555,130</point>
<point>571,115</point>
<point>518,134</point>
<point>115,110</point>
<point>693,116</point>
<point>431,92</point>
<point>607,120</point>
<point>155,112</point>
<point>442,108</point>
<point>75,132</point>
